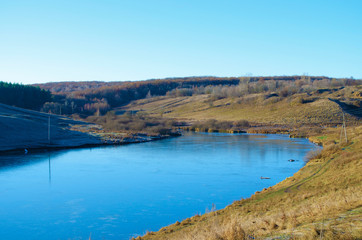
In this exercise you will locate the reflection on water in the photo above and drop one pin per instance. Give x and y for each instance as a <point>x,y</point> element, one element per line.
<point>18,160</point>
<point>116,192</point>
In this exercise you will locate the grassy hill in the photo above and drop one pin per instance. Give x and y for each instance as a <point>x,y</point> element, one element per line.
<point>262,108</point>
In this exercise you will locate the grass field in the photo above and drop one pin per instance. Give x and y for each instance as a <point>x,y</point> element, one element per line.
<point>299,109</point>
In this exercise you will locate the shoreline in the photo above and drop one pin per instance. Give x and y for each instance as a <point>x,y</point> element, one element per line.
<point>103,143</point>
<point>263,129</point>
<point>25,130</point>
<point>142,137</point>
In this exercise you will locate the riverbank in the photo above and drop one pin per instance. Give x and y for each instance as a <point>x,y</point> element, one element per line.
<point>322,200</point>
<point>291,131</point>
<point>31,130</point>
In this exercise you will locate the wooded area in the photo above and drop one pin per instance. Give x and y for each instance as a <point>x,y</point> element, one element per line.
<point>88,98</point>
<point>23,96</point>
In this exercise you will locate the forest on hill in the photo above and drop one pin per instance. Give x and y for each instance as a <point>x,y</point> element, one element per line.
<point>89,98</point>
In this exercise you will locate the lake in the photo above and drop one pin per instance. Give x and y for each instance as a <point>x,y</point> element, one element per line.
<point>116,192</point>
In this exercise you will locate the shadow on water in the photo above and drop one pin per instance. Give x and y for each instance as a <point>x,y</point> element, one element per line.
<point>10,161</point>
<point>20,159</point>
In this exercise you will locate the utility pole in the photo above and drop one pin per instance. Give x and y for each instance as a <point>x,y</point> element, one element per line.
<point>49,129</point>
<point>343,130</point>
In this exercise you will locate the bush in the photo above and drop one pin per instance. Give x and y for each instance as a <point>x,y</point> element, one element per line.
<point>314,154</point>
<point>213,125</point>
<point>133,123</point>
<point>241,124</point>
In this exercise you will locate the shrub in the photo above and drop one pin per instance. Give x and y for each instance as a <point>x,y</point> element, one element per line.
<point>314,154</point>
<point>241,124</point>
<point>133,123</point>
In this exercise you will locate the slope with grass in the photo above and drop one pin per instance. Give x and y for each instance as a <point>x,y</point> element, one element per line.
<point>262,108</point>
<point>21,128</point>
<point>322,200</point>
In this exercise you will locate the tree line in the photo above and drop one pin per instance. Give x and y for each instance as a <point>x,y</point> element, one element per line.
<point>100,100</point>
<point>24,96</point>
<point>89,98</point>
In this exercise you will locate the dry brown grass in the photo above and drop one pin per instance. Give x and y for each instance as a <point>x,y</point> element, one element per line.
<point>254,108</point>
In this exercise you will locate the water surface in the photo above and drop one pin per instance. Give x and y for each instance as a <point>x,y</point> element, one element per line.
<point>118,192</point>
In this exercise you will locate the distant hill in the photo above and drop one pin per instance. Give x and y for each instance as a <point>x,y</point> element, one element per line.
<point>73,86</point>
<point>88,98</point>
<point>67,87</point>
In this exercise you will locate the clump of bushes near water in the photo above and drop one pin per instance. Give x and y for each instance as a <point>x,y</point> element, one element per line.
<point>134,123</point>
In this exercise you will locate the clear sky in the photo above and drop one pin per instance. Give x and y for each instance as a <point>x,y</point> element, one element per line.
<point>116,40</point>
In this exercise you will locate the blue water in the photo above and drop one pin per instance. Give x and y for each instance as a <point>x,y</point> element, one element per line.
<point>119,192</point>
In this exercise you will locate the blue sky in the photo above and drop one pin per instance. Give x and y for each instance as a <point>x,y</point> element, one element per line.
<point>109,40</point>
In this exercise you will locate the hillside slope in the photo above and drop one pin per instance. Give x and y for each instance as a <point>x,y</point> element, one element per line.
<point>21,128</point>
<point>299,109</point>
